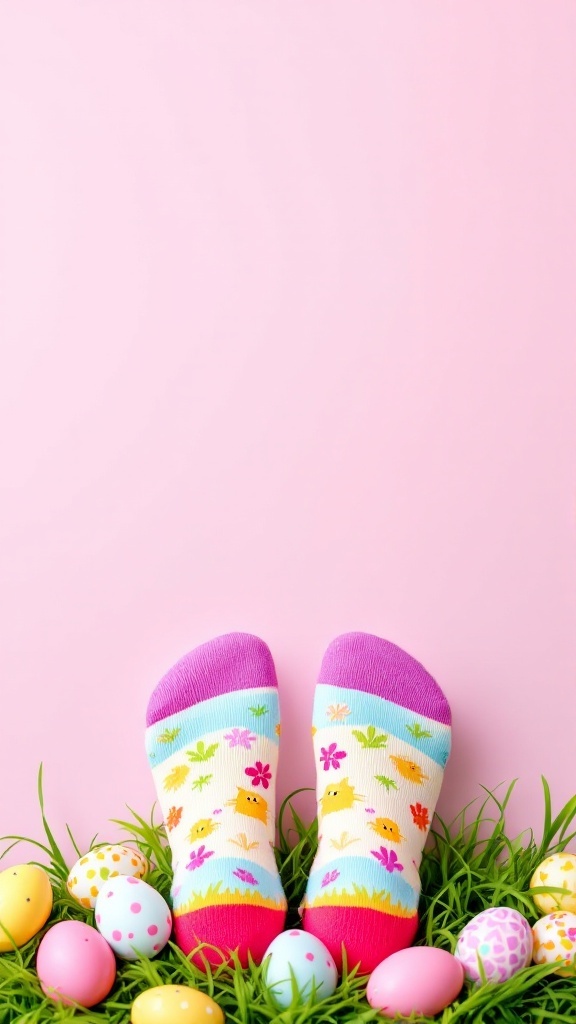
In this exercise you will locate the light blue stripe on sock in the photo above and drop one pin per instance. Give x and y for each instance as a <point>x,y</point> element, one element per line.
<point>365,873</point>
<point>228,711</point>
<point>425,734</point>
<point>219,871</point>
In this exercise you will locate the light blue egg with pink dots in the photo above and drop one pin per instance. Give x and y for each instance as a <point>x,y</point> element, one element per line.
<point>297,963</point>
<point>133,917</point>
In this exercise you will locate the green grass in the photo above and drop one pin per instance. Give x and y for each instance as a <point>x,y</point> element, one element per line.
<point>470,865</point>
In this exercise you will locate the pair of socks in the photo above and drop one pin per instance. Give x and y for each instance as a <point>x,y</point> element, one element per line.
<point>381,735</point>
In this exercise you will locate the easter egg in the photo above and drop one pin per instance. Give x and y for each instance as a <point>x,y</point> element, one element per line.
<point>133,917</point>
<point>501,939</point>
<point>25,904</point>
<point>298,954</point>
<point>90,872</point>
<point>175,1004</point>
<point>559,872</point>
<point>75,964</point>
<point>419,980</point>
<point>555,941</point>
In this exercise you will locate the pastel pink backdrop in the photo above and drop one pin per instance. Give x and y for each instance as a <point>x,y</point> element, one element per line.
<point>287,346</point>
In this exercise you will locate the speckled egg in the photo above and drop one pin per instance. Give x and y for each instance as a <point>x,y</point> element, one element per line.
<point>501,938</point>
<point>90,873</point>
<point>75,964</point>
<point>313,967</point>
<point>419,980</point>
<point>555,941</point>
<point>175,1004</point>
<point>133,917</point>
<point>559,872</point>
<point>25,903</point>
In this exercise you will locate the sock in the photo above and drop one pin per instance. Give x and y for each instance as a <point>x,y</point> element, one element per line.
<point>212,742</point>
<point>381,740</point>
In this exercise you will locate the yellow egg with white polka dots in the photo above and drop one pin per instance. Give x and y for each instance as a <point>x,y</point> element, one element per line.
<point>90,872</point>
<point>175,1004</point>
<point>25,904</point>
<point>556,872</point>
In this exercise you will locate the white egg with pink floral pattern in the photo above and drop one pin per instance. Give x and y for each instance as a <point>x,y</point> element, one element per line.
<point>133,917</point>
<point>501,939</point>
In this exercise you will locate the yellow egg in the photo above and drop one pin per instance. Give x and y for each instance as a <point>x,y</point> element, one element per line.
<point>25,904</point>
<point>559,872</point>
<point>175,1004</point>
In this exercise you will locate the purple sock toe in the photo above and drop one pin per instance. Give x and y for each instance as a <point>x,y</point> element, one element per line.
<point>234,661</point>
<point>361,661</point>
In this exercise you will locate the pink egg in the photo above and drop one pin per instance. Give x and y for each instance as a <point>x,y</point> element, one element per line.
<point>75,964</point>
<point>421,980</point>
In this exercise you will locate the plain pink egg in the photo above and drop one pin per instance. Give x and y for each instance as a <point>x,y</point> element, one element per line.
<point>421,979</point>
<point>77,962</point>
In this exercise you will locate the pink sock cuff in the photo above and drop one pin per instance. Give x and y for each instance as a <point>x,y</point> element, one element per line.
<point>361,661</point>
<point>235,661</point>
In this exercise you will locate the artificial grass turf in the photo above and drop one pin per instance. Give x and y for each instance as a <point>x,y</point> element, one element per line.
<point>468,866</point>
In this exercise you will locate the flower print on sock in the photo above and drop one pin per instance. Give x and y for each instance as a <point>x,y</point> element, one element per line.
<point>198,858</point>
<point>240,738</point>
<point>245,876</point>
<point>388,859</point>
<point>260,774</point>
<point>330,757</point>
<point>329,877</point>
<point>420,816</point>
<point>173,817</point>
<point>338,712</point>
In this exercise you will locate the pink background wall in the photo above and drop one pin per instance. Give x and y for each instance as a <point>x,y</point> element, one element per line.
<point>287,345</point>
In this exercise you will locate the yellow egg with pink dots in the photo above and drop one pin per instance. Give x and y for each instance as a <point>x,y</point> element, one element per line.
<point>90,872</point>
<point>555,942</point>
<point>556,872</point>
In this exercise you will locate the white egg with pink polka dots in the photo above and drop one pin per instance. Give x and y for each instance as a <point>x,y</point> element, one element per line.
<point>133,917</point>
<point>296,958</point>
